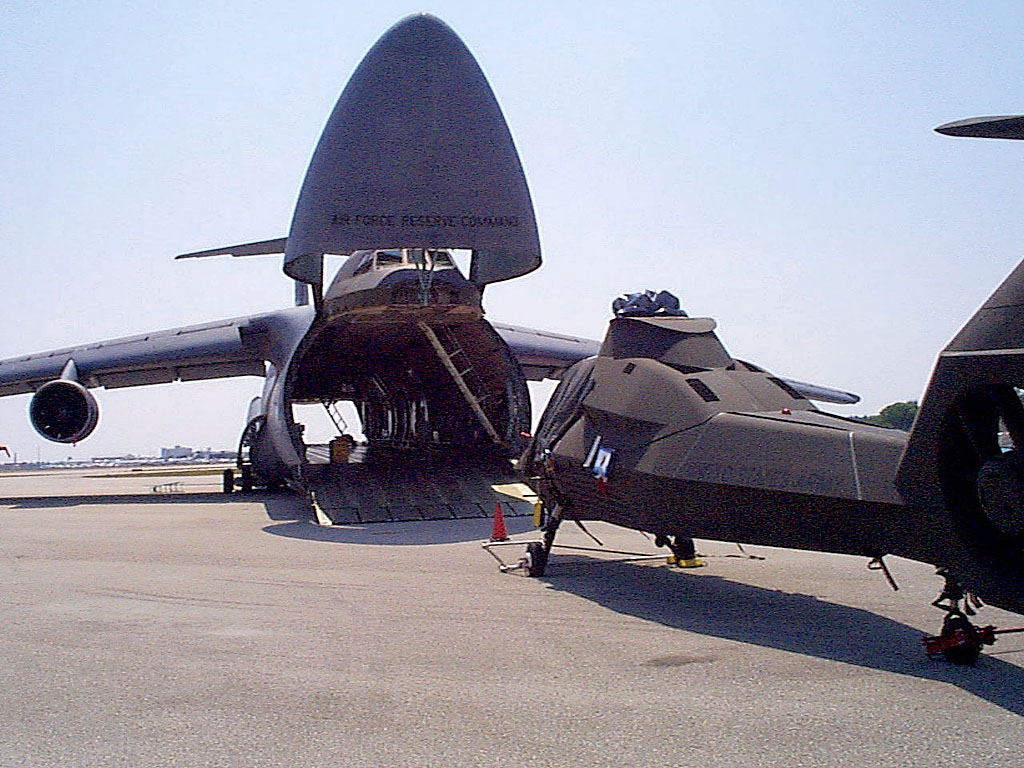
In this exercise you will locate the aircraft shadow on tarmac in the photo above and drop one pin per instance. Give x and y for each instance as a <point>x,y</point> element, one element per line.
<point>719,607</point>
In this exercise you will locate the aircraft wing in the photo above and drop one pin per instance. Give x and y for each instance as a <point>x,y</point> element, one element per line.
<point>237,347</point>
<point>545,355</point>
<point>221,349</point>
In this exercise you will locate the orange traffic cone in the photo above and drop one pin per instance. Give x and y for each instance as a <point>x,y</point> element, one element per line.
<point>498,532</point>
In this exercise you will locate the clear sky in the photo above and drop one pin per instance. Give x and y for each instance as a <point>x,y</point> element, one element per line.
<point>771,163</point>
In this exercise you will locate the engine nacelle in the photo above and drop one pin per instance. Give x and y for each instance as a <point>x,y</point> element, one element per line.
<point>64,411</point>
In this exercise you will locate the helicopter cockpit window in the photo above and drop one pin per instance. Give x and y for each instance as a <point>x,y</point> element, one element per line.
<point>416,256</point>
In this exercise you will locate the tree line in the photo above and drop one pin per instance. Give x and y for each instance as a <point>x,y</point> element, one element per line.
<point>894,416</point>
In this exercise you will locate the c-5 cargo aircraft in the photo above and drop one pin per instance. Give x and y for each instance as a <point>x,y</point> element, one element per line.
<point>665,432</point>
<point>415,161</point>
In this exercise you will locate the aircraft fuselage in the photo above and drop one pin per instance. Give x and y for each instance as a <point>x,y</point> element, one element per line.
<point>401,335</point>
<point>664,432</point>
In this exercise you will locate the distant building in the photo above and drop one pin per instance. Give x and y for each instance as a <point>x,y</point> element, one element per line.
<point>208,454</point>
<point>177,452</point>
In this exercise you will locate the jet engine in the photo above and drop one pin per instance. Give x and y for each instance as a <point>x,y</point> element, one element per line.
<point>64,411</point>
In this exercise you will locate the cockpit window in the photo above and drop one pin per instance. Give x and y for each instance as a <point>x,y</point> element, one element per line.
<point>389,258</point>
<point>441,259</point>
<point>365,263</point>
<point>429,258</point>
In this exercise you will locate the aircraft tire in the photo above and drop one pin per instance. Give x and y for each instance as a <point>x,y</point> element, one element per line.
<point>246,479</point>
<point>537,559</point>
<point>967,654</point>
<point>229,480</point>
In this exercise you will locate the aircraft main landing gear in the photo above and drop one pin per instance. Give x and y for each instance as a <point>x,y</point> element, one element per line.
<point>684,551</point>
<point>960,642</point>
<point>247,481</point>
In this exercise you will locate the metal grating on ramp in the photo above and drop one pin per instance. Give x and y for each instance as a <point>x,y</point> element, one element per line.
<point>404,486</point>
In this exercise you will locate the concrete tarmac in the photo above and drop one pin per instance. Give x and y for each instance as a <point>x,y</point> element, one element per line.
<point>153,621</point>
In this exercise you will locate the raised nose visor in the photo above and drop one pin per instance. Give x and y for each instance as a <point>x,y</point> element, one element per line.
<point>416,153</point>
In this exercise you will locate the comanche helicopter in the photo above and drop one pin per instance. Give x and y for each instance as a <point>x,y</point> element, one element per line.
<point>665,432</point>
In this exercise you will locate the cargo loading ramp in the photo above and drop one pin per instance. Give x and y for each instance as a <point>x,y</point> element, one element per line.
<point>395,486</point>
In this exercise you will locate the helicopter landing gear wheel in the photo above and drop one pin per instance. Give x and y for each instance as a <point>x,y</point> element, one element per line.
<point>959,630</point>
<point>536,558</point>
<point>684,551</point>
